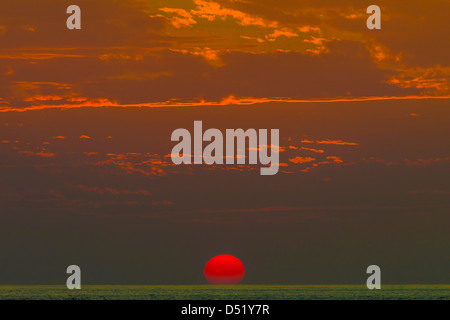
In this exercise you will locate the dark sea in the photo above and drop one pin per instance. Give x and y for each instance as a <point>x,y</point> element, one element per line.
<point>237,292</point>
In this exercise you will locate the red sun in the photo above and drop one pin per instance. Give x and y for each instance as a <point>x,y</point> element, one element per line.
<point>224,269</point>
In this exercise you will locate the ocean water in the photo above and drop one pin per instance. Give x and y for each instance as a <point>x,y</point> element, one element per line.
<point>238,292</point>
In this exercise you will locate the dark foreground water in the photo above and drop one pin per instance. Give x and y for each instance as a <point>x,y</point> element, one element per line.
<point>240,292</point>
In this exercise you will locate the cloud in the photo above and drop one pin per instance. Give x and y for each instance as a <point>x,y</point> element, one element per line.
<point>337,142</point>
<point>281,33</point>
<point>212,10</point>
<point>136,52</point>
<point>41,154</point>
<point>313,150</point>
<point>181,19</point>
<point>299,160</point>
<point>432,80</point>
<point>346,19</point>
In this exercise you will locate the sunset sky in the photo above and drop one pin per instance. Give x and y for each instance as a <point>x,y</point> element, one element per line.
<point>86,117</point>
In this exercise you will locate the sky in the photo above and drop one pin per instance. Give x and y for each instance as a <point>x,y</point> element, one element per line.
<point>86,118</point>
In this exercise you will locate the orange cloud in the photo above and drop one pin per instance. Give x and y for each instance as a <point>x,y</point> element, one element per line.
<point>313,150</point>
<point>39,154</point>
<point>337,142</point>
<point>44,98</point>
<point>230,100</point>
<point>308,29</point>
<point>299,160</point>
<point>212,10</point>
<point>38,56</point>
<point>281,33</point>
<point>182,19</point>
<point>433,80</point>
<point>335,159</point>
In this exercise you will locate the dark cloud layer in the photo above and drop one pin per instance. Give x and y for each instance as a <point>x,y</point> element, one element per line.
<point>346,71</point>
